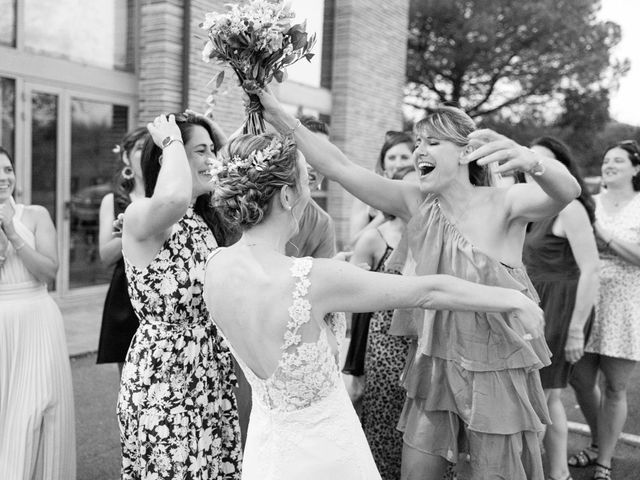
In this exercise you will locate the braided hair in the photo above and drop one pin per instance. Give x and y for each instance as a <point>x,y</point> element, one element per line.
<point>253,170</point>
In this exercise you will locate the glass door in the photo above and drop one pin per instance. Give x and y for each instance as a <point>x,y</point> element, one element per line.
<point>69,167</point>
<point>96,128</point>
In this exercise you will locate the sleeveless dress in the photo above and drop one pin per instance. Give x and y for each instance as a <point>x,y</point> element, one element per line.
<point>554,274</point>
<point>37,428</point>
<point>354,363</point>
<point>119,320</point>
<point>383,394</point>
<point>177,412</point>
<point>302,423</point>
<point>472,382</point>
<point>616,327</point>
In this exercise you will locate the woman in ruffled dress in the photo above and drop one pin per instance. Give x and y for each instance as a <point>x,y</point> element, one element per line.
<point>472,385</point>
<point>177,411</point>
<point>273,311</point>
<point>37,429</point>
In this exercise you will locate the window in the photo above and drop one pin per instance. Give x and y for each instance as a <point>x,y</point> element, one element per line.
<point>8,22</point>
<point>8,114</point>
<point>92,32</point>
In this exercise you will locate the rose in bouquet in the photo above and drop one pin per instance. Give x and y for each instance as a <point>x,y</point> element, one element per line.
<point>257,40</point>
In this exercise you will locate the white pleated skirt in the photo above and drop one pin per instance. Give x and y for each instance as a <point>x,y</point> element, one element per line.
<point>37,431</point>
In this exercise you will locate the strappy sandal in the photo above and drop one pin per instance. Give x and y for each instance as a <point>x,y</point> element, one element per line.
<point>601,472</point>
<point>584,458</point>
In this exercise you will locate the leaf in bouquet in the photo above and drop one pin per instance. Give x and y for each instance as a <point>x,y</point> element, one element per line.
<point>279,76</point>
<point>220,79</point>
<point>309,56</point>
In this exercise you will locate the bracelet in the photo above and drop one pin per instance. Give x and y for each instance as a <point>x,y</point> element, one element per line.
<point>291,131</point>
<point>19,247</point>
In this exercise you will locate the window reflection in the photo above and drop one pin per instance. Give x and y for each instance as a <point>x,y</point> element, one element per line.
<point>8,22</point>
<point>8,114</point>
<point>95,129</point>
<point>92,32</point>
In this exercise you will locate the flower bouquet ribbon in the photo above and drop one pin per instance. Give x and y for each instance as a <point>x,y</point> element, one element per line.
<point>257,40</point>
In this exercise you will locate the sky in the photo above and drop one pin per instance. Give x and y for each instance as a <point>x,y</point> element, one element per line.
<point>625,103</point>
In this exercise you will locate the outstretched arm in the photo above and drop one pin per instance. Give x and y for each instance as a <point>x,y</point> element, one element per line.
<point>391,196</point>
<point>339,286</point>
<point>554,186</point>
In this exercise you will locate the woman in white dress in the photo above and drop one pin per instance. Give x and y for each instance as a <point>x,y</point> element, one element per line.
<point>37,432</point>
<point>613,346</point>
<point>272,309</point>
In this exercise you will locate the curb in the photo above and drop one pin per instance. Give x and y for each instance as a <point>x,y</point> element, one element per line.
<point>582,429</point>
<point>78,355</point>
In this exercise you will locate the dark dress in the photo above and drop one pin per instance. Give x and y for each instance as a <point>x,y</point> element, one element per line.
<point>177,411</point>
<point>383,394</point>
<point>554,274</point>
<point>119,321</point>
<point>354,362</point>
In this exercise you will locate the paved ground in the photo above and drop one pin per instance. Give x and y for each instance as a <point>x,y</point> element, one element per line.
<point>98,446</point>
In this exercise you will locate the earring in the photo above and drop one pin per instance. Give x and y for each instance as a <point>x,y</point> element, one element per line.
<point>127,172</point>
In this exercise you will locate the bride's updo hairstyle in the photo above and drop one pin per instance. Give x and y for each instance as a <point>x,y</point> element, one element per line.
<point>252,170</point>
<point>454,125</point>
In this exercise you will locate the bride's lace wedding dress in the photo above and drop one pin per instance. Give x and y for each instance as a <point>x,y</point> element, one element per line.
<point>302,423</point>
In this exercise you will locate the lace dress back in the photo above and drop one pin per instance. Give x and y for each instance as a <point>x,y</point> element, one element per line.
<point>302,422</point>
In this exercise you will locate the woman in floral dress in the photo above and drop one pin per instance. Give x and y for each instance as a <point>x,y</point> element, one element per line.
<point>177,411</point>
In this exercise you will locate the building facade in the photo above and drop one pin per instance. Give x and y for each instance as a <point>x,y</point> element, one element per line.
<point>75,76</point>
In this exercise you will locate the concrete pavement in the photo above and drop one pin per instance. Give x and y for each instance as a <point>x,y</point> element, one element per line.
<point>96,390</point>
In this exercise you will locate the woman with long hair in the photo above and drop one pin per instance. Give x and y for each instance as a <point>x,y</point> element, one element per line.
<point>472,385</point>
<point>562,261</point>
<point>276,313</point>
<point>37,429</point>
<point>177,411</point>
<point>613,346</point>
<point>119,320</point>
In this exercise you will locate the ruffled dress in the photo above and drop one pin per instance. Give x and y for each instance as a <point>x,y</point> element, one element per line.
<point>472,382</point>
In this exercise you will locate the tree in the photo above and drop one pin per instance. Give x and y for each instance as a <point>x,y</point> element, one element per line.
<point>487,55</point>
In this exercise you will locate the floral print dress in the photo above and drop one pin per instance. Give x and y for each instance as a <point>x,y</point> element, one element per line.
<point>176,408</point>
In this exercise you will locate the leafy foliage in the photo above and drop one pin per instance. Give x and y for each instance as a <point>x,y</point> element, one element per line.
<point>489,55</point>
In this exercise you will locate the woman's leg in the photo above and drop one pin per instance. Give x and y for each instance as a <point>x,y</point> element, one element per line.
<point>417,465</point>
<point>555,439</point>
<point>584,380</point>
<point>613,409</point>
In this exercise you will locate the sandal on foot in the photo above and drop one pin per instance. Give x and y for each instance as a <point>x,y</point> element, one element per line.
<point>584,458</point>
<point>601,472</point>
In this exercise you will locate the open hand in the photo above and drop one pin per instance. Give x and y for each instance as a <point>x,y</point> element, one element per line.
<point>163,127</point>
<point>510,156</point>
<point>531,317</point>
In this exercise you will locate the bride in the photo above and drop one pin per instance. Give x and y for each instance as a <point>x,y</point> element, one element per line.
<point>273,311</point>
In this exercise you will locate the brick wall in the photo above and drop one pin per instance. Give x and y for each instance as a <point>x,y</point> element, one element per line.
<point>369,58</point>
<point>160,58</point>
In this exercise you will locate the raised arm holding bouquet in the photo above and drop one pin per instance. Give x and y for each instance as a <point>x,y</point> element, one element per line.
<point>258,41</point>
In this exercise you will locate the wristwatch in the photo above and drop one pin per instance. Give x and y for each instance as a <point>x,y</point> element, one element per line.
<point>169,140</point>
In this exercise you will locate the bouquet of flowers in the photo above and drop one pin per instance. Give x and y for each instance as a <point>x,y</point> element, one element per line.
<point>258,41</point>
